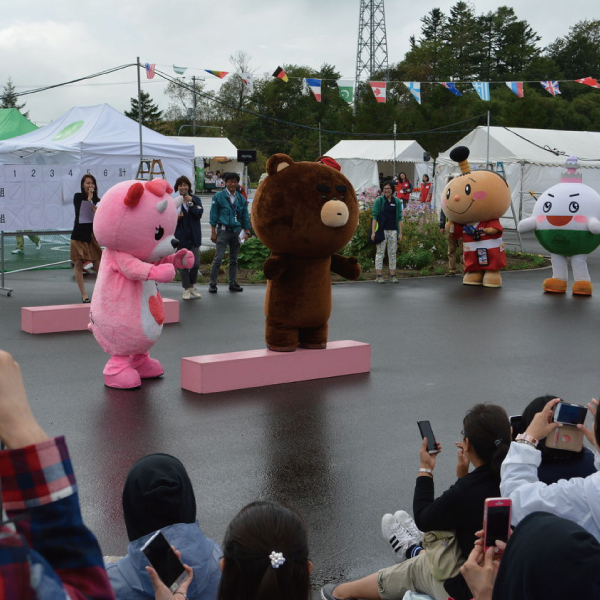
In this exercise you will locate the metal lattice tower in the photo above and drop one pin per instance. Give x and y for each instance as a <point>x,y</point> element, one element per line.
<point>372,52</point>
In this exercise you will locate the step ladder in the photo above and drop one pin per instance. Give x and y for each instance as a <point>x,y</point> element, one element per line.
<point>500,170</point>
<point>149,168</point>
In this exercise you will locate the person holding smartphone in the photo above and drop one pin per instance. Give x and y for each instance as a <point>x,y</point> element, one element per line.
<point>575,499</point>
<point>189,234</point>
<point>486,436</point>
<point>84,246</point>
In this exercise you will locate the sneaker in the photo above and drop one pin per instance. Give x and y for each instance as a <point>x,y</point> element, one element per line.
<point>195,293</point>
<point>379,280</point>
<point>327,591</point>
<point>187,294</point>
<point>406,521</point>
<point>38,246</point>
<point>236,287</point>
<point>398,537</point>
<point>212,288</point>
<point>394,280</point>
<point>17,251</point>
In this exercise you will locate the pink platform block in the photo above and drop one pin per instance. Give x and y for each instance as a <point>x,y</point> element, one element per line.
<point>256,368</point>
<point>73,317</point>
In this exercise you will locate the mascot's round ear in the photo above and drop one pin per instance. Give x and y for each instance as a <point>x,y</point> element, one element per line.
<point>134,193</point>
<point>278,162</point>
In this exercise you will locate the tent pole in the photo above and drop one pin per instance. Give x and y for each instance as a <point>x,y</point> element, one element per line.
<point>140,106</point>
<point>194,121</point>
<point>487,157</point>
<point>394,169</point>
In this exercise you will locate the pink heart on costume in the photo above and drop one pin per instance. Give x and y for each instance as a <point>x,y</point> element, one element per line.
<point>157,308</point>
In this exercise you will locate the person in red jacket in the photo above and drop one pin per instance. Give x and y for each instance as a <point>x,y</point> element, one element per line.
<point>403,188</point>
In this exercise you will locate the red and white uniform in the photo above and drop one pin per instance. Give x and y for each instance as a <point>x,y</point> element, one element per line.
<point>487,253</point>
<point>425,189</point>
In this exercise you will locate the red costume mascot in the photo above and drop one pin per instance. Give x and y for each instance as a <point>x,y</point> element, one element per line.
<point>476,200</point>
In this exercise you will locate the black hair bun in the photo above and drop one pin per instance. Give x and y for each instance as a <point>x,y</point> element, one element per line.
<point>459,153</point>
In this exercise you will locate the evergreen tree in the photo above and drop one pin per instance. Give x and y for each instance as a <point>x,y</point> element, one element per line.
<point>151,115</point>
<point>9,97</point>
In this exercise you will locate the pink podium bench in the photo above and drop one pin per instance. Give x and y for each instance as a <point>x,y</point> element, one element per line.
<point>73,317</point>
<point>256,368</point>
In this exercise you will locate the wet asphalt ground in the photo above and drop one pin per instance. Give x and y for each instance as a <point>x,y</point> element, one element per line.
<point>343,451</point>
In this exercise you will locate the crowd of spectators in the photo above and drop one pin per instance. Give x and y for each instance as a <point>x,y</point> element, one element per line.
<point>47,552</point>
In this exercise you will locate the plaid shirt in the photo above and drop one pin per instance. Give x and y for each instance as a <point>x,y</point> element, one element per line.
<point>52,555</point>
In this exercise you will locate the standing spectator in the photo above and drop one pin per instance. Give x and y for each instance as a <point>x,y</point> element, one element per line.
<point>48,552</point>
<point>229,221</point>
<point>84,246</point>
<point>403,188</point>
<point>387,213</point>
<point>426,189</point>
<point>158,495</point>
<point>20,249</point>
<point>189,234</point>
<point>453,232</point>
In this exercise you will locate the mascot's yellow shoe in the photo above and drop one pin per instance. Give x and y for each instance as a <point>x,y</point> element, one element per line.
<point>556,286</point>
<point>582,288</point>
<point>473,278</point>
<point>492,279</point>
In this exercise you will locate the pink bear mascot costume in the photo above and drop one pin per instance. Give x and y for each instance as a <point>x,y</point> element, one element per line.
<point>135,222</point>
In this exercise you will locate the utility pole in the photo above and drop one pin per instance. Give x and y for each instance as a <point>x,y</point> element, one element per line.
<point>371,53</point>
<point>194,121</point>
<point>140,106</point>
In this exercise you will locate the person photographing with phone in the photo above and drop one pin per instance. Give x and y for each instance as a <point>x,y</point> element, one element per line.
<point>189,234</point>
<point>575,499</point>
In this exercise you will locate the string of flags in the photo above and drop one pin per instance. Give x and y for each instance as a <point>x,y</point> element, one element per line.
<point>347,87</point>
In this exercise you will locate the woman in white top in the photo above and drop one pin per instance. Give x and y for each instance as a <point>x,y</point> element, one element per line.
<point>577,499</point>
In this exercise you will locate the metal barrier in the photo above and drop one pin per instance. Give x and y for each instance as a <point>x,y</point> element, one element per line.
<point>15,234</point>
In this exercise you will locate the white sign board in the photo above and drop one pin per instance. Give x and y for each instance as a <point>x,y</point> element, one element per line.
<point>40,197</point>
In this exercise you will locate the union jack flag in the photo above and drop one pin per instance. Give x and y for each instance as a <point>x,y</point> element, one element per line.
<point>551,87</point>
<point>150,70</point>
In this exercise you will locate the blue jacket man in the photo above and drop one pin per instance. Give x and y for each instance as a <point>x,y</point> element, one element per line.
<point>230,222</point>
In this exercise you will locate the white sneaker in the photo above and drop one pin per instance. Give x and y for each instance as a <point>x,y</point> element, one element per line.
<point>17,251</point>
<point>38,246</point>
<point>186,294</point>
<point>195,293</point>
<point>405,520</point>
<point>397,536</point>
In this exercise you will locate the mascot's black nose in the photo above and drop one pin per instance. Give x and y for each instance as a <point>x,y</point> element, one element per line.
<point>174,242</point>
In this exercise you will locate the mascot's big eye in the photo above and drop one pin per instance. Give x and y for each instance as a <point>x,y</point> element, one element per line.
<point>448,194</point>
<point>574,207</point>
<point>158,233</point>
<point>547,206</point>
<point>468,189</point>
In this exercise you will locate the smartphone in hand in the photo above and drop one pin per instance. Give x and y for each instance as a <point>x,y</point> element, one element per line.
<point>162,557</point>
<point>427,432</point>
<point>570,414</point>
<point>496,521</point>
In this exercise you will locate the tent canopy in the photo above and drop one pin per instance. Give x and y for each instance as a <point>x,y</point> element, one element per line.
<point>13,123</point>
<point>209,147</point>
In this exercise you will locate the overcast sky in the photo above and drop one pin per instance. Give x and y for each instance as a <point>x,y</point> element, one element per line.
<point>43,43</point>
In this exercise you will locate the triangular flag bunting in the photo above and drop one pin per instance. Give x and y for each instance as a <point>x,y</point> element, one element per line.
<point>179,70</point>
<point>346,87</point>
<point>449,85</point>
<point>280,74</point>
<point>248,79</point>
<point>483,89</point>
<point>150,70</point>
<point>219,74</point>
<point>415,89</point>
<point>516,87</point>
<point>551,87</point>
<point>315,87</point>
<point>589,81</point>
<point>379,89</point>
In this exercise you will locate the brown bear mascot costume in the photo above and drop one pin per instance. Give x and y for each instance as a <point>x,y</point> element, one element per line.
<point>303,212</point>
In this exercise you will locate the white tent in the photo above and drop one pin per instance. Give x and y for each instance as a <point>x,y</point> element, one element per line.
<point>43,168</point>
<point>363,160</point>
<point>532,159</point>
<point>213,154</point>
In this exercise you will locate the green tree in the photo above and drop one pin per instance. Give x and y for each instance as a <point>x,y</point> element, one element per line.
<point>151,114</point>
<point>9,97</point>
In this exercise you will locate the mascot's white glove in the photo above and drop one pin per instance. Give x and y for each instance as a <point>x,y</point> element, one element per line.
<point>526,225</point>
<point>594,225</point>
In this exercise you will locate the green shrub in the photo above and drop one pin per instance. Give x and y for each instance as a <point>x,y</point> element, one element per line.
<point>415,259</point>
<point>253,254</point>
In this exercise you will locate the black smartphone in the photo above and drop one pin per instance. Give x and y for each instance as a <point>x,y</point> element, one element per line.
<point>427,432</point>
<point>161,556</point>
<point>516,425</point>
<point>570,414</point>
<point>496,521</point>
